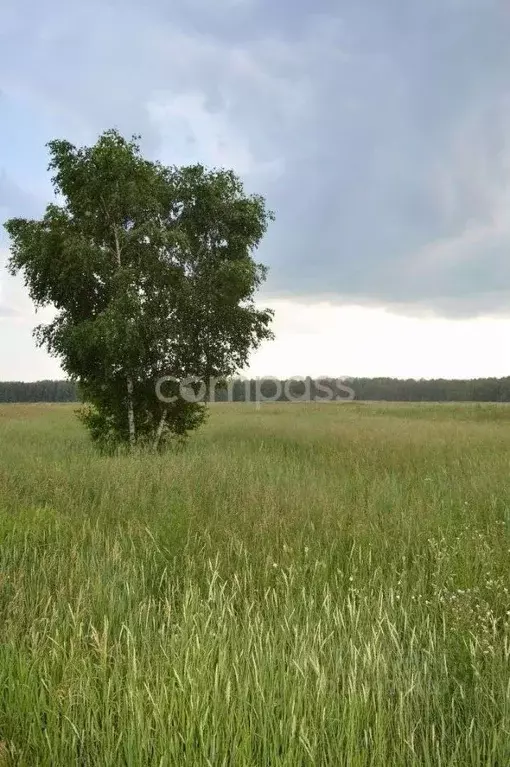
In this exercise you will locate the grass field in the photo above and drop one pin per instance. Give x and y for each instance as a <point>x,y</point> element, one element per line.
<point>302,585</point>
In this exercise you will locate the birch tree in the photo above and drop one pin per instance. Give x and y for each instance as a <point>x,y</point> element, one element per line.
<point>151,272</point>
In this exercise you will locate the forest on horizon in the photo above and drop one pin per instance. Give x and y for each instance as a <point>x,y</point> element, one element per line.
<point>365,389</point>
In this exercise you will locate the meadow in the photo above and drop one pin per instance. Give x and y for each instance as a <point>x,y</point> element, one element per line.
<point>301,585</point>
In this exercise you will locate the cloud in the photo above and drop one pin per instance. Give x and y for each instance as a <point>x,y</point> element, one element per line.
<point>326,339</point>
<point>379,132</point>
<point>14,198</point>
<point>7,311</point>
<point>13,201</point>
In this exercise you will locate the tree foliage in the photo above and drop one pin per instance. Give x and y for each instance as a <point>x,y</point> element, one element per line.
<point>151,272</point>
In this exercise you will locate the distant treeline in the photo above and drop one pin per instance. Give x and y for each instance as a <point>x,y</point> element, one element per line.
<point>433,390</point>
<point>37,391</point>
<point>363,389</point>
<point>389,389</point>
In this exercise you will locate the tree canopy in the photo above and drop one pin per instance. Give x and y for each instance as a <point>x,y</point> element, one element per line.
<point>151,272</point>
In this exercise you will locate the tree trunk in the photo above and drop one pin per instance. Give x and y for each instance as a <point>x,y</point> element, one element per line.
<point>159,431</point>
<point>131,411</point>
<point>129,380</point>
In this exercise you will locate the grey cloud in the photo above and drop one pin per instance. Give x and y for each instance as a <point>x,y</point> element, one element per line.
<point>14,198</point>
<point>13,299</point>
<point>7,311</point>
<point>378,131</point>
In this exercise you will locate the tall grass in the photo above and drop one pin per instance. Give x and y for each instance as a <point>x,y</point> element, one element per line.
<point>302,585</point>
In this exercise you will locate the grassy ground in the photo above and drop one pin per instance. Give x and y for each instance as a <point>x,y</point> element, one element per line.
<point>302,585</point>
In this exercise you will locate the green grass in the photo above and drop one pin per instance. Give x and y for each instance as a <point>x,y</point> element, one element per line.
<point>302,585</point>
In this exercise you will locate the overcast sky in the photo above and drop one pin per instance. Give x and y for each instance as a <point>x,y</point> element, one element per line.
<point>378,130</point>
